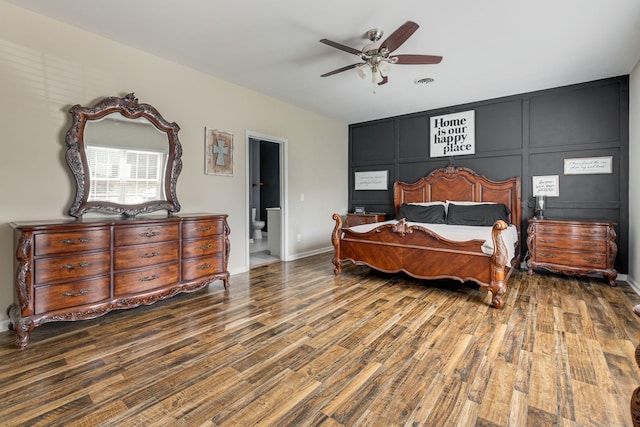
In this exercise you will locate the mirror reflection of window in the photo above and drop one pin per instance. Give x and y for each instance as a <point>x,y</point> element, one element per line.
<point>127,160</point>
<point>125,176</point>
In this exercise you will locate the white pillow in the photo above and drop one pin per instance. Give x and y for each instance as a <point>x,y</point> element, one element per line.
<point>470,203</point>
<point>427,203</point>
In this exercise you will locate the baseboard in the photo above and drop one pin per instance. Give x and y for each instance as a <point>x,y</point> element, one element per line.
<point>632,283</point>
<point>309,253</point>
<point>4,325</point>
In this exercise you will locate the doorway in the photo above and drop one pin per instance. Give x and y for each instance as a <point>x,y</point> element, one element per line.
<point>266,195</point>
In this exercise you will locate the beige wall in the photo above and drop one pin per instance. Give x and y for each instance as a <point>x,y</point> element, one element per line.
<point>634,176</point>
<point>47,66</point>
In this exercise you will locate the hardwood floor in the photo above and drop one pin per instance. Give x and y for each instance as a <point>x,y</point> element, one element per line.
<point>292,344</point>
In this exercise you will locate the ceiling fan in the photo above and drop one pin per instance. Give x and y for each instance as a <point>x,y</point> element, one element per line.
<point>377,57</point>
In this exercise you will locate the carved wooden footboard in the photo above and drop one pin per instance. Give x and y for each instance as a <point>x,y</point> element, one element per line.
<point>423,254</point>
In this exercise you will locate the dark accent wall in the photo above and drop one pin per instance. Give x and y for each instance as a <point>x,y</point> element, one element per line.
<point>522,135</point>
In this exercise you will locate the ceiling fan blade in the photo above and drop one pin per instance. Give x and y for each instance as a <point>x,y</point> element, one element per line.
<point>417,59</point>
<point>385,79</point>
<point>341,46</point>
<point>399,36</point>
<point>339,70</point>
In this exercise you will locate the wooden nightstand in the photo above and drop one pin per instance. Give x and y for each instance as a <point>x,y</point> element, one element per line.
<point>364,218</point>
<point>573,247</point>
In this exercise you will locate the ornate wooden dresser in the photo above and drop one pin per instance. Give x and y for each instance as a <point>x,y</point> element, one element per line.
<point>71,270</point>
<point>573,247</point>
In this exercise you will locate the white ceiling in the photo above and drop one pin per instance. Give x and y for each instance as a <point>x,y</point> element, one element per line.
<point>491,48</point>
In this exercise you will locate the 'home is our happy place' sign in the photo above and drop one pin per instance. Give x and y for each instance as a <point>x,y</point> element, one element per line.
<point>453,134</point>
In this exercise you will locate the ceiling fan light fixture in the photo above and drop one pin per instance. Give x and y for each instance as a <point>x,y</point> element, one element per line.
<point>384,67</point>
<point>376,56</point>
<point>363,70</point>
<point>376,77</point>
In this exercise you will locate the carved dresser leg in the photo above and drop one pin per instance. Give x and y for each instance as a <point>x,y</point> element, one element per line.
<point>23,330</point>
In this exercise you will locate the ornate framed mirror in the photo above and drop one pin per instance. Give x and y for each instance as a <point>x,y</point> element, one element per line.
<point>125,158</point>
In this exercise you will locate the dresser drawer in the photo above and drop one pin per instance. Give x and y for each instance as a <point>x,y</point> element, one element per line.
<point>572,259</point>
<point>65,295</point>
<point>72,241</point>
<point>199,267</point>
<point>557,242</point>
<point>125,236</point>
<point>202,247</point>
<point>203,228</point>
<point>73,267</point>
<point>141,280</point>
<point>144,255</point>
<point>572,230</point>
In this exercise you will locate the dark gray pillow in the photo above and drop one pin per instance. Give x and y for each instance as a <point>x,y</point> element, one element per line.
<point>428,214</point>
<point>481,214</point>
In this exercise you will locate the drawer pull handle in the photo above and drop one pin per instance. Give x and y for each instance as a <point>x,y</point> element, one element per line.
<point>148,255</point>
<point>207,228</point>
<point>590,244</point>
<point>543,255</point>
<point>76,294</point>
<point>71,266</point>
<point>590,231</point>
<point>547,229</point>
<point>149,278</point>
<point>72,242</point>
<point>547,240</point>
<point>592,259</point>
<point>203,247</point>
<point>205,266</point>
<point>149,234</point>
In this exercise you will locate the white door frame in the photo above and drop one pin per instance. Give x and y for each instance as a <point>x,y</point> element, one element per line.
<point>284,193</point>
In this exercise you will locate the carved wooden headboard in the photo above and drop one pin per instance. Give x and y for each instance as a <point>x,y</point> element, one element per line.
<point>460,184</point>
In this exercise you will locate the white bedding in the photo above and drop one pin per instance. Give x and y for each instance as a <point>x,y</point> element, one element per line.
<point>459,233</point>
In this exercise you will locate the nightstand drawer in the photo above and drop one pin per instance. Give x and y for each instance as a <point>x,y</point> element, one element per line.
<point>573,259</point>
<point>556,242</point>
<point>572,230</point>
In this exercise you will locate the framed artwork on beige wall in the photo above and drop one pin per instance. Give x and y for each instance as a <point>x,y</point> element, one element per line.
<point>218,152</point>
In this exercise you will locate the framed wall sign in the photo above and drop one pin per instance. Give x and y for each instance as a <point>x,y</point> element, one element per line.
<point>546,186</point>
<point>588,165</point>
<point>372,180</point>
<point>453,134</point>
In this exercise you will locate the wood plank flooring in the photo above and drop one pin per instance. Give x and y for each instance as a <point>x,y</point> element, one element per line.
<point>290,344</point>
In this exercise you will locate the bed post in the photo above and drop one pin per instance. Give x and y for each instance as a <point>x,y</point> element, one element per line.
<point>335,240</point>
<point>499,261</point>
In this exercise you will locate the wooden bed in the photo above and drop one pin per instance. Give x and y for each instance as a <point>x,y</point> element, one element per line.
<point>423,254</point>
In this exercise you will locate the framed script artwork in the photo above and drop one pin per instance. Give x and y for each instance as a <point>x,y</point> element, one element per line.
<point>588,165</point>
<point>372,180</point>
<point>546,186</point>
<point>218,152</point>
